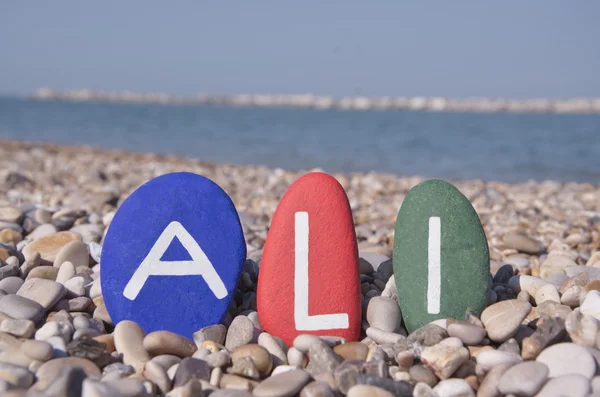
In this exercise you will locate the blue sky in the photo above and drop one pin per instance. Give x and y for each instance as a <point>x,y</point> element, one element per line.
<point>448,48</point>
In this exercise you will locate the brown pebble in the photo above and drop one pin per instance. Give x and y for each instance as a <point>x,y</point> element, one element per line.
<point>259,355</point>
<point>352,351</point>
<point>166,342</point>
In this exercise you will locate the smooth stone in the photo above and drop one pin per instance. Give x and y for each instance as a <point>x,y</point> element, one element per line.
<point>547,293</point>
<point>11,285</point>
<point>129,341</point>
<point>10,214</point>
<point>178,216</point>
<point>45,292</point>
<point>582,328</point>
<point>524,379</point>
<point>10,236</point>
<point>527,283</point>
<point>444,360</point>
<point>44,230</point>
<point>259,356</point>
<point>45,272</point>
<point>591,304</point>
<point>568,358</point>
<point>502,319</point>
<point>296,358</point>
<point>9,270</point>
<point>15,375</point>
<point>469,334</point>
<point>37,350</point>
<point>50,370</point>
<point>572,385</point>
<point>21,308</point>
<point>94,388</point>
<point>491,358</point>
<point>524,243</point>
<point>59,347</point>
<point>383,337</point>
<point>454,388</point>
<point>352,351</point>
<point>464,255</point>
<point>166,360</point>
<point>368,391</point>
<point>75,252</point>
<point>275,346</point>
<point>286,384</point>
<point>19,328</point>
<point>191,368</point>
<point>240,332</point>
<point>215,333</point>
<point>165,342</point>
<point>157,375</point>
<point>317,389</point>
<point>49,246</point>
<point>65,272</point>
<point>319,200</point>
<point>384,313</point>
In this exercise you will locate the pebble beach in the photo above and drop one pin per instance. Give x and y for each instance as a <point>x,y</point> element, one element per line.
<point>538,336</point>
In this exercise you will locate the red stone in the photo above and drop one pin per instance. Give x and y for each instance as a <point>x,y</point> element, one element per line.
<point>333,275</point>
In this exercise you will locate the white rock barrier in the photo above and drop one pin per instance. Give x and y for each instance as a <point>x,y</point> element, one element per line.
<point>540,105</point>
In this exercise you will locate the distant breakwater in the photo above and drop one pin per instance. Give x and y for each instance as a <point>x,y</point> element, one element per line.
<point>489,105</point>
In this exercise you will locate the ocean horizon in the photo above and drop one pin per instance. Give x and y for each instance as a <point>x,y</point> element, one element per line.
<point>505,147</point>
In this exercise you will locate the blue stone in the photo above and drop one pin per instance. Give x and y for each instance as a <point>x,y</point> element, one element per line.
<point>172,255</point>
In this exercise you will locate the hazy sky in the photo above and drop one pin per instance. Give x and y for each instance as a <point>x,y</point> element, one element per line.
<point>452,48</point>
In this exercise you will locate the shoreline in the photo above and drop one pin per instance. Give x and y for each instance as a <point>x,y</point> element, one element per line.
<point>96,180</point>
<point>431,104</point>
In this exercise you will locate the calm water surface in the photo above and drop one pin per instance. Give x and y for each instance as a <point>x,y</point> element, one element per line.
<point>504,147</point>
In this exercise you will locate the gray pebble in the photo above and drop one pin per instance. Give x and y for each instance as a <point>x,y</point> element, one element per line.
<point>11,285</point>
<point>572,385</point>
<point>240,332</point>
<point>384,313</point>
<point>21,308</point>
<point>524,379</point>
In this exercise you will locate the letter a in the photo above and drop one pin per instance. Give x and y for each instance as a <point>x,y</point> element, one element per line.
<point>152,265</point>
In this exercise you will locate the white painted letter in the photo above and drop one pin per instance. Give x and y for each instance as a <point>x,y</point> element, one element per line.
<point>433,266</point>
<point>152,265</point>
<point>303,321</point>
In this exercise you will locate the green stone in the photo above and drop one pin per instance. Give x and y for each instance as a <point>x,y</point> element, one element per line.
<point>441,257</point>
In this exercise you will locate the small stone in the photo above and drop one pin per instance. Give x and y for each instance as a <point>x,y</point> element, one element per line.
<point>75,286</point>
<point>94,388</point>
<point>530,284</point>
<point>572,385</point>
<point>582,328</point>
<point>454,388</point>
<point>428,335</point>
<point>215,333</point>
<point>275,346</point>
<point>63,329</point>
<point>11,285</point>
<point>87,348</point>
<point>296,358</point>
<point>568,358</point>
<point>468,333</point>
<point>50,370</point>
<point>37,350</point>
<point>547,293</point>
<point>383,337</point>
<point>491,358</point>
<point>502,319</point>
<point>191,368</point>
<point>8,271</point>
<point>523,243</point>
<point>21,308</point>
<point>591,304</point>
<point>68,382</point>
<point>322,359</point>
<point>421,373</point>
<point>548,332</point>
<point>352,351</point>
<point>129,341</point>
<point>10,214</point>
<point>368,391</point>
<point>524,379</point>
<point>17,376</point>
<point>157,375</point>
<point>259,356</point>
<point>444,360</point>
<point>45,272</point>
<point>45,292</point>
<point>384,313</point>
<point>317,389</point>
<point>19,328</point>
<point>66,272</point>
<point>75,252</point>
<point>10,236</point>
<point>165,342</point>
<point>49,246</point>
<point>240,332</point>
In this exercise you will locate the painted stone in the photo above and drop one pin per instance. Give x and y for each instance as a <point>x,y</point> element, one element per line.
<point>441,257</point>
<point>172,255</point>
<point>309,280</point>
